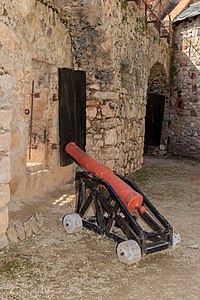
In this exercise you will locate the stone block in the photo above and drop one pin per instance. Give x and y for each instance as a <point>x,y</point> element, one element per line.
<point>41,44</point>
<point>92,102</point>
<point>4,195</point>
<point>99,143</point>
<point>89,140</point>
<point>6,84</point>
<point>111,137</point>
<point>33,224</point>
<point>7,37</point>
<point>110,164</point>
<point>23,7</point>
<point>91,112</point>
<point>5,119</point>
<point>3,220</point>
<point>94,86</point>
<point>2,93</point>
<point>105,95</point>
<point>39,219</point>
<point>12,234</point>
<point>108,110</point>
<point>3,241</point>
<point>5,140</point>
<point>27,229</point>
<point>20,231</point>
<point>4,169</point>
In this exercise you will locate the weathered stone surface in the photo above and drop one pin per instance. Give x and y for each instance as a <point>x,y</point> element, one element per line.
<point>20,231</point>
<point>33,224</point>
<point>4,169</point>
<point>5,119</point>
<point>105,95</point>
<point>3,220</point>
<point>12,234</point>
<point>4,195</point>
<point>91,112</point>
<point>111,45</point>
<point>108,110</point>
<point>34,43</point>
<point>39,219</point>
<point>27,229</point>
<point>111,137</point>
<point>23,7</point>
<point>6,86</point>
<point>110,164</point>
<point>7,37</point>
<point>185,123</point>
<point>3,241</point>
<point>119,78</point>
<point>5,140</point>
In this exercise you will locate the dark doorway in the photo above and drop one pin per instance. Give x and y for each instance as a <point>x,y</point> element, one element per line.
<point>72,111</point>
<point>154,119</point>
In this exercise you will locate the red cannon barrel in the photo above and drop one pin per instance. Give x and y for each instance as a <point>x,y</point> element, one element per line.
<point>131,199</point>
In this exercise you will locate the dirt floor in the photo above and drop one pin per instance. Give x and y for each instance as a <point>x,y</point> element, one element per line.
<point>54,265</point>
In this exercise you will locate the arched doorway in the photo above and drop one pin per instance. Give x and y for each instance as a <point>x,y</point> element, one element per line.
<point>156,97</point>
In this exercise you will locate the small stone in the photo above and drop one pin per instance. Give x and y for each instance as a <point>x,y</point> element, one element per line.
<point>110,164</point>
<point>4,194</point>
<point>34,224</point>
<point>105,95</point>
<point>108,110</point>
<point>91,112</point>
<point>5,170</point>
<point>5,140</point>
<point>39,219</point>
<point>92,102</point>
<point>12,235</point>
<point>5,119</point>
<point>41,43</point>
<point>3,241</point>
<point>3,220</point>
<point>20,231</point>
<point>27,229</point>
<point>111,137</point>
<point>24,7</point>
<point>162,152</point>
<point>95,86</point>
<point>193,113</point>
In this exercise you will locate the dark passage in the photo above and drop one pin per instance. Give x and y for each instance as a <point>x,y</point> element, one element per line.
<point>154,119</point>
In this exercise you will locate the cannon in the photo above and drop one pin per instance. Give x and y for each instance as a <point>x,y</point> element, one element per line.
<point>113,206</point>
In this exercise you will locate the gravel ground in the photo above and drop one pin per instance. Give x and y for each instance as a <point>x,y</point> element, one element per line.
<point>54,265</point>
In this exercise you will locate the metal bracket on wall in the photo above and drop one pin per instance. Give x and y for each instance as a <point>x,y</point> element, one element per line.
<point>27,112</point>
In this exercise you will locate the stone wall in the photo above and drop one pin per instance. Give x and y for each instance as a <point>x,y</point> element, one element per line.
<point>185,124</point>
<point>34,43</point>
<point>5,138</point>
<point>113,45</point>
<point>6,84</point>
<point>42,45</point>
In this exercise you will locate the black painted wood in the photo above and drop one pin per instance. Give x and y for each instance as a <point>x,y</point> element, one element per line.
<point>72,110</point>
<point>80,89</point>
